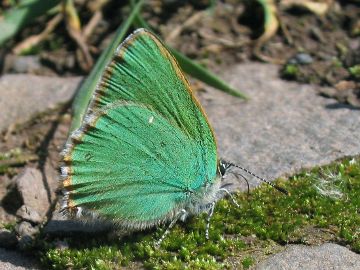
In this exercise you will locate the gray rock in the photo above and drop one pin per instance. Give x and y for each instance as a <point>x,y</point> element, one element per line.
<point>30,94</point>
<point>324,257</point>
<point>26,229</point>
<point>8,239</point>
<point>301,59</point>
<point>283,128</point>
<point>27,234</point>
<point>23,64</point>
<point>27,213</point>
<point>33,191</point>
<point>13,260</point>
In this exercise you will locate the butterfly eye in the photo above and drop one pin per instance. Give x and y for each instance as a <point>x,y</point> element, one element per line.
<point>223,167</point>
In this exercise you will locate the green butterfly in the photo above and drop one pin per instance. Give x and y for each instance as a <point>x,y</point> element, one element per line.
<point>145,154</point>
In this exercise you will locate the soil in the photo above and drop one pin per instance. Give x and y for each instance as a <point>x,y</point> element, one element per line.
<point>312,49</point>
<point>321,50</point>
<point>30,144</point>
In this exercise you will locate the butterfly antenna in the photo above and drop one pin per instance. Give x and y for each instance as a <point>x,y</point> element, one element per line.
<point>282,190</point>
<point>247,181</point>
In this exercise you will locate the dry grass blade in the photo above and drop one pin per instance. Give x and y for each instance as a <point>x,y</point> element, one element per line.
<point>189,22</point>
<point>319,7</point>
<point>73,27</point>
<point>36,39</point>
<point>271,25</point>
<point>18,160</point>
<point>96,8</point>
<point>94,21</point>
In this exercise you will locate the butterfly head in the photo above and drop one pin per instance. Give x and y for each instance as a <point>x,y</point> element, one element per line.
<point>225,167</point>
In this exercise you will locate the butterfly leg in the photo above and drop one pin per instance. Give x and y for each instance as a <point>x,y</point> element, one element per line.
<point>230,195</point>
<point>172,223</point>
<point>210,213</point>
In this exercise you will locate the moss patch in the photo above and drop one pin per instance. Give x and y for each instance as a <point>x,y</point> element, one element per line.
<point>290,71</point>
<point>239,237</point>
<point>355,71</point>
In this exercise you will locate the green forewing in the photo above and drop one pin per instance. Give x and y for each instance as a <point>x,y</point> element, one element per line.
<point>148,144</point>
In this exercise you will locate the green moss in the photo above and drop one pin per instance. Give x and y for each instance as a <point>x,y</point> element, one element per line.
<point>290,71</point>
<point>103,257</point>
<point>247,262</point>
<point>355,71</point>
<point>15,153</point>
<point>265,215</point>
<point>8,226</point>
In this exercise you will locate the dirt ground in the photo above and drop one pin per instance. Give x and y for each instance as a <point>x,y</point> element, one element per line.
<point>322,50</point>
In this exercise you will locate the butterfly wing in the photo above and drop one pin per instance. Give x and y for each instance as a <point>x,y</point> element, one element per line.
<point>146,144</point>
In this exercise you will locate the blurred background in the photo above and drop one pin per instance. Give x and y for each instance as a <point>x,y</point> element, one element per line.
<point>313,41</point>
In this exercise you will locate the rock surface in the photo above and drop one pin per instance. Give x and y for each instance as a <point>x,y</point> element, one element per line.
<point>30,94</point>
<point>325,257</point>
<point>26,229</point>
<point>27,213</point>
<point>27,233</point>
<point>283,127</point>
<point>34,192</point>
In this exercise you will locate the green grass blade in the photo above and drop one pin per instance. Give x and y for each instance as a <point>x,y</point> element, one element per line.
<point>194,69</point>
<point>24,13</point>
<point>88,87</point>
<point>204,75</point>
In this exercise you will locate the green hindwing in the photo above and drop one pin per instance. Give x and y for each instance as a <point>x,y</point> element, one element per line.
<point>145,145</point>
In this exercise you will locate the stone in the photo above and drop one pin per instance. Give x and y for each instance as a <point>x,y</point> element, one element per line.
<point>8,239</point>
<point>31,94</point>
<point>28,214</point>
<point>13,260</point>
<point>301,59</point>
<point>26,229</point>
<point>325,257</point>
<point>25,64</point>
<point>283,128</point>
<point>33,191</point>
<point>27,234</point>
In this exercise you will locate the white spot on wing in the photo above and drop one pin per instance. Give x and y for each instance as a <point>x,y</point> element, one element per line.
<point>151,119</point>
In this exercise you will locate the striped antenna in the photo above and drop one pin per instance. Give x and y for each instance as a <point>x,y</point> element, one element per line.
<point>282,190</point>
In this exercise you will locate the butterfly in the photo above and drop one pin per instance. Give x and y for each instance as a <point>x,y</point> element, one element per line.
<point>145,153</point>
